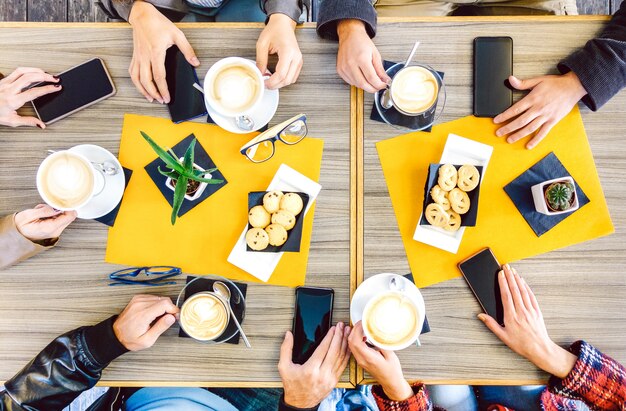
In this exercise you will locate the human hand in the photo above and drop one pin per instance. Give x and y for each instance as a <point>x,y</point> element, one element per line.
<point>358,60</point>
<point>278,37</point>
<point>12,97</point>
<point>524,330</point>
<point>43,222</point>
<point>383,365</point>
<point>153,34</point>
<point>549,100</point>
<point>308,384</point>
<point>133,326</point>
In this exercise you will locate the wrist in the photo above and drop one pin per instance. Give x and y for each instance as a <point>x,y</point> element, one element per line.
<point>555,360</point>
<point>138,10</point>
<point>399,391</point>
<point>349,26</point>
<point>296,401</point>
<point>280,18</point>
<point>575,85</point>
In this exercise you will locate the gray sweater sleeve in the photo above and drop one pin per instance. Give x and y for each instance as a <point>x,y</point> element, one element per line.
<point>601,64</point>
<point>291,8</point>
<point>332,12</point>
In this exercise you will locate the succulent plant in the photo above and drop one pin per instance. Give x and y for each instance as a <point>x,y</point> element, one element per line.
<point>560,196</point>
<point>182,172</point>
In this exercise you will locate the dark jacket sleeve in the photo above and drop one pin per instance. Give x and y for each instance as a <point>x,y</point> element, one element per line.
<point>70,364</point>
<point>332,12</point>
<point>283,406</point>
<point>601,64</point>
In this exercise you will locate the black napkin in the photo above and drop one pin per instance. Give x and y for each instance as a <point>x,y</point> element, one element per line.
<point>426,326</point>
<point>206,284</point>
<point>201,158</point>
<point>518,190</point>
<point>397,118</point>
<point>110,218</point>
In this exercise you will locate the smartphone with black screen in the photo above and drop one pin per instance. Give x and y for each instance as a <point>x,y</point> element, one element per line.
<point>83,86</point>
<point>186,102</point>
<point>312,320</point>
<point>481,273</point>
<point>493,64</point>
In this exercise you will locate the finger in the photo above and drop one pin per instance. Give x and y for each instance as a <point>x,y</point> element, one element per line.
<point>493,325</point>
<point>30,78</point>
<point>505,295</point>
<point>380,69</point>
<point>66,218</point>
<point>513,111</point>
<point>334,350</point>
<point>388,355</point>
<point>17,121</point>
<point>35,92</point>
<point>286,350</point>
<point>531,296</point>
<point>262,52</point>
<point>514,289</point>
<point>372,77</point>
<point>526,131</point>
<point>320,352</point>
<point>524,84</point>
<point>158,70</point>
<point>159,327</point>
<point>543,132</point>
<point>186,49</point>
<point>145,73</point>
<point>522,289</point>
<point>18,72</point>
<point>160,307</point>
<point>279,78</point>
<point>133,70</point>
<point>359,80</point>
<point>38,212</point>
<point>294,71</point>
<point>344,357</point>
<point>521,121</point>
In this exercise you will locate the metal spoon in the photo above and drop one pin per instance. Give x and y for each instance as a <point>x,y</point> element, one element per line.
<point>222,290</point>
<point>385,99</point>
<point>244,122</point>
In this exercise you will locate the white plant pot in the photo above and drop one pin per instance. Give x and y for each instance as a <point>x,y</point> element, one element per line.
<point>199,191</point>
<point>540,202</point>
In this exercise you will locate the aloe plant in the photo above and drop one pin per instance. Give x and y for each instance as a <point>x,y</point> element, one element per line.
<point>560,195</point>
<point>180,171</point>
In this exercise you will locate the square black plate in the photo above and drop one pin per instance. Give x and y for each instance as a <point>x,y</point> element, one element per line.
<point>468,219</point>
<point>292,245</point>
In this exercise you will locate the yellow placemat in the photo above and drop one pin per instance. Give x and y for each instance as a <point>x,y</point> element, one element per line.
<point>202,239</point>
<point>405,160</point>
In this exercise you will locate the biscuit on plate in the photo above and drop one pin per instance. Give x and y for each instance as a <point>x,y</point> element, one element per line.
<point>447,177</point>
<point>436,215</point>
<point>257,239</point>
<point>455,222</point>
<point>258,217</point>
<point>459,201</point>
<point>271,201</point>
<point>440,196</point>
<point>292,202</point>
<point>469,177</point>
<point>277,234</point>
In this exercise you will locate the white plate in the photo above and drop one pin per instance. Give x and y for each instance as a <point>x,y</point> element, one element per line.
<point>110,196</point>
<point>262,265</point>
<point>374,285</point>
<point>458,150</point>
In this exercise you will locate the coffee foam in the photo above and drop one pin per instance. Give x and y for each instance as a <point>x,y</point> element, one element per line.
<point>391,319</point>
<point>414,89</point>
<point>204,317</point>
<point>235,88</point>
<point>66,180</point>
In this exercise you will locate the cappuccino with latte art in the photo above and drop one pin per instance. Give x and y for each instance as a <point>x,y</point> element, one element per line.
<point>204,316</point>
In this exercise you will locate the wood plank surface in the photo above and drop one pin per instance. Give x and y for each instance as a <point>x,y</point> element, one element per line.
<point>581,289</point>
<point>66,287</point>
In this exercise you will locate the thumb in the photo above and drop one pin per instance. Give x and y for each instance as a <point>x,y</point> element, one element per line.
<point>286,349</point>
<point>187,50</point>
<point>158,328</point>
<point>524,84</point>
<point>493,325</point>
<point>262,53</point>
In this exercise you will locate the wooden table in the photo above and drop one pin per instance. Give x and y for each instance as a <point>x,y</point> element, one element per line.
<point>66,287</point>
<point>581,289</point>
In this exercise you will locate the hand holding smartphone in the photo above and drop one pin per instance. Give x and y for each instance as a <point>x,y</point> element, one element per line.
<point>312,320</point>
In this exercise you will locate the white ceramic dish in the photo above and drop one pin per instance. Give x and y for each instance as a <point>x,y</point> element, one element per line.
<point>458,150</point>
<point>262,265</point>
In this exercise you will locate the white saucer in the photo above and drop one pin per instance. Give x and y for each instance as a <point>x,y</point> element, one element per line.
<point>374,285</point>
<point>110,196</point>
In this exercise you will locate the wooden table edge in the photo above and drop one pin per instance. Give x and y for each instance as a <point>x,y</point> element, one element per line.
<point>369,381</point>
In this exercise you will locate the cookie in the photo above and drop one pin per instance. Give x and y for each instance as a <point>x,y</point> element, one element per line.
<point>277,234</point>
<point>284,218</point>
<point>455,222</point>
<point>441,197</point>
<point>447,177</point>
<point>459,201</point>
<point>468,178</point>
<point>258,217</point>
<point>436,215</point>
<point>271,201</point>
<point>257,239</point>
<point>291,202</point>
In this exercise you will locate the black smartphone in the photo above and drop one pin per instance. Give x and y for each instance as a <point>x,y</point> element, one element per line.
<point>493,64</point>
<point>186,102</point>
<point>312,320</point>
<point>83,85</point>
<point>481,273</point>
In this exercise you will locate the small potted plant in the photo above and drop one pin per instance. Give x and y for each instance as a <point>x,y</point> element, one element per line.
<point>184,177</point>
<point>556,196</point>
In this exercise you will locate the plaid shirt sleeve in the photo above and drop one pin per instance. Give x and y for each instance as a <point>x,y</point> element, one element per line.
<point>420,401</point>
<point>596,379</point>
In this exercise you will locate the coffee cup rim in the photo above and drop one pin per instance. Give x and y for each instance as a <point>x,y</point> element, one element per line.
<point>221,63</point>
<point>432,71</point>
<point>216,296</point>
<point>39,178</point>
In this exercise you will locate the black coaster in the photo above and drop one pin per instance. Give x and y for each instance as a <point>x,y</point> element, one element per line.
<point>202,159</point>
<point>468,219</point>
<point>206,284</point>
<point>548,168</point>
<point>397,118</point>
<point>110,218</point>
<point>294,238</point>
<point>426,326</point>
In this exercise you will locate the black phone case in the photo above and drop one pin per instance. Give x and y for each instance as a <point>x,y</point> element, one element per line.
<point>493,64</point>
<point>297,350</point>
<point>186,102</point>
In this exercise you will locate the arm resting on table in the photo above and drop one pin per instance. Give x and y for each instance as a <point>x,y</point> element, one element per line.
<point>14,247</point>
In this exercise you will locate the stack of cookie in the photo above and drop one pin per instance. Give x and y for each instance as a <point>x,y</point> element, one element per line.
<point>450,196</point>
<point>271,221</point>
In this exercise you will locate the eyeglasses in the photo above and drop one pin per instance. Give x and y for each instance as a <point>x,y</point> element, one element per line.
<point>159,274</point>
<point>261,148</point>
